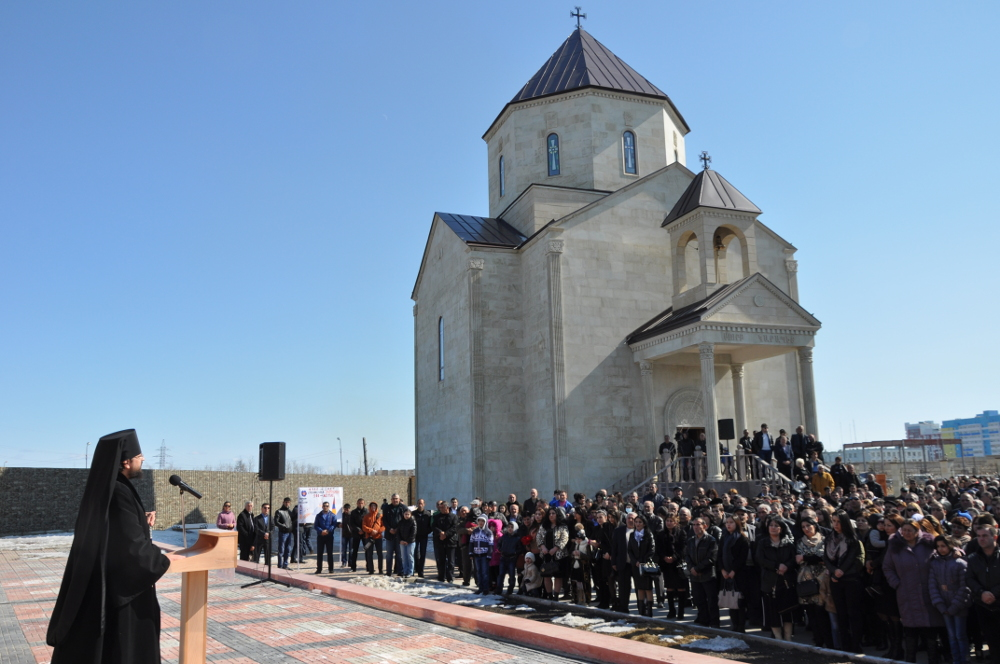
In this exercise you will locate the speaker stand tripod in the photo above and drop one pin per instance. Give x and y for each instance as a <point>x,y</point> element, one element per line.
<point>270,530</point>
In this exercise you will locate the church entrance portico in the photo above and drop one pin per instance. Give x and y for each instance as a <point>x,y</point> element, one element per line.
<point>716,336</point>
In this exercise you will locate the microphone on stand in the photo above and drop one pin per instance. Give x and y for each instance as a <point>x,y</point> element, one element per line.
<point>178,482</point>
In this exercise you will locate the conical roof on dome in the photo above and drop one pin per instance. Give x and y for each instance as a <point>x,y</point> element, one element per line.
<point>709,189</point>
<point>584,62</point>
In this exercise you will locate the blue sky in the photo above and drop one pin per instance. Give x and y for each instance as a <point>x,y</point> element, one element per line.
<point>212,214</point>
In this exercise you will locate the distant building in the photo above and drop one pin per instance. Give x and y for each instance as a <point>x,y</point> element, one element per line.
<point>980,434</point>
<point>923,430</point>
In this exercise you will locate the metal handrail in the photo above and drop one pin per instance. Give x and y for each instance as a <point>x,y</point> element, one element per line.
<point>736,467</point>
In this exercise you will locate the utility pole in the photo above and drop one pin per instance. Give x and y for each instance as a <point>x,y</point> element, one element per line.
<point>341,445</point>
<point>163,454</point>
<point>86,456</point>
<point>364,448</point>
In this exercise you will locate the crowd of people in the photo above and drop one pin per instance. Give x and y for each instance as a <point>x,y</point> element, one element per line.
<point>917,570</point>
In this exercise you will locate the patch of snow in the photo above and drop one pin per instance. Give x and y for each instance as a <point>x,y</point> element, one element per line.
<point>524,607</point>
<point>62,540</point>
<point>718,644</point>
<point>669,638</point>
<point>570,620</point>
<point>617,627</point>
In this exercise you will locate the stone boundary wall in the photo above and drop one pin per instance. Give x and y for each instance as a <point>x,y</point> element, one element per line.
<point>37,500</point>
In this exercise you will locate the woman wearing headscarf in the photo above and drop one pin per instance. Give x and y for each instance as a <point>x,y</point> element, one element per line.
<point>845,561</point>
<point>813,575</point>
<point>907,569</point>
<point>776,559</point>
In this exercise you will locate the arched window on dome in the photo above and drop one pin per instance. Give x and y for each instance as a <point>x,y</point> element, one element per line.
<point>503,184</point>
<point>628,153</point>
<point>553,152</point>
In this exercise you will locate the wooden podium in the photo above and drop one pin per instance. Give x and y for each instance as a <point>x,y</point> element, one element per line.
<point>214,549</point>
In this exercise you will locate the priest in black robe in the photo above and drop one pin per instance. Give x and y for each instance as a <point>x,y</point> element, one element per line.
<point>107,612</point>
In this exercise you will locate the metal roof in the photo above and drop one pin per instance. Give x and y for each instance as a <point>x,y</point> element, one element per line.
<point>483,230</point>
<point>692,313</point>
<point>583,62</point>
<point>709,189</point>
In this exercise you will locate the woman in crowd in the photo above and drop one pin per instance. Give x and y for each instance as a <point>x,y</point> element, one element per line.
<point>950,595</point>
<point>813,586</point>
<point>845,562</point>
<point>227,518</point>
<point>407,534</point>
<point>907,568</point>
<point>552,538</point>
<point>670,544</point>
<point>884,594</point>
<point>733,569</point>
<point>580,556</point>
<point>642,551</point>
<point>371,533</point>
<point>776,559</point>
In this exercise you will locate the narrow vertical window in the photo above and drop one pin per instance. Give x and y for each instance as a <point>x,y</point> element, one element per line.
<point>441,348</point>
<point>503,185</point>
<point>628,149</point>
<point>553,144</point>
<point>676,153</point>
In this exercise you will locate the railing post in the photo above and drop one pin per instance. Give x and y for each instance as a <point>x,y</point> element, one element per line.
<point>739,463</point>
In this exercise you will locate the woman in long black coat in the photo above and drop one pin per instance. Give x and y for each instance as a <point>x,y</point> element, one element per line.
<point>776,560</point>
<point>733,568</point>
<point>642,551</point>
<point>670,555</point>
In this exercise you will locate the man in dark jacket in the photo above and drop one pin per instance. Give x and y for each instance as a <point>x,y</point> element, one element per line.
<point>392,514</point>
<point>423,518</point>
<point>620,563</point>
<point>983,578</point>
<point>357,517</point>
<point>444,528</point>
<point>245,532</point>
<point>264,528</point>
<point>701,554</point>
<point>325,524</point>
<point>813,445</point>
<point>799,441</point>
<point>763,444</point>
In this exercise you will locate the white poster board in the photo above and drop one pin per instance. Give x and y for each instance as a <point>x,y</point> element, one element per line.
<point>311,499</point>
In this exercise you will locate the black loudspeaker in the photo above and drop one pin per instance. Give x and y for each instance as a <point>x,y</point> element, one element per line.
<point>272,462</point>
<point>727,431</point>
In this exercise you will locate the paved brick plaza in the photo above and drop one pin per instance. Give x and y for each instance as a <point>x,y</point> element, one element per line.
<point>261,624</point>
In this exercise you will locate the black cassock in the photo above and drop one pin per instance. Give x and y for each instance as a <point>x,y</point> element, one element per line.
<point>110,579</point>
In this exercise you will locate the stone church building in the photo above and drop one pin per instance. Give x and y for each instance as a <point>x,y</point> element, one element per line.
<point>611,296</point>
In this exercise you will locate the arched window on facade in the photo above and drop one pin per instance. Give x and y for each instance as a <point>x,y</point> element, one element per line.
<point>503,184</point>
<point>441,348</point>
<point>628,152</point>
<point>553,151</point>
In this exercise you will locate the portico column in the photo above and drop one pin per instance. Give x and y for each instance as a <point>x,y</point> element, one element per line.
<point>647,401</point>
<point>808,390</point>
<point>707,351</point>
<point>738,398</point>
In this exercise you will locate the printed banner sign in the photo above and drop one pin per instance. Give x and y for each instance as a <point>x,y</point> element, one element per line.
<point>311,499</point>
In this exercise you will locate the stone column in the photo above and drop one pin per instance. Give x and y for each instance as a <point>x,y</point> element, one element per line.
<point>646,369</point>
<point>808,390</point>
<point>478,376</point>
<point>557,364</point>
<point>707,352</point>
<point>739,399</point>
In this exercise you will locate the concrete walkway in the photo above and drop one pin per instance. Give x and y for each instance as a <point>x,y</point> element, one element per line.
<point>265,624</point>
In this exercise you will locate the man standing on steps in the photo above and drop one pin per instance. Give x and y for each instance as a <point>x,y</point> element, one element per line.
<point>392,514</point>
